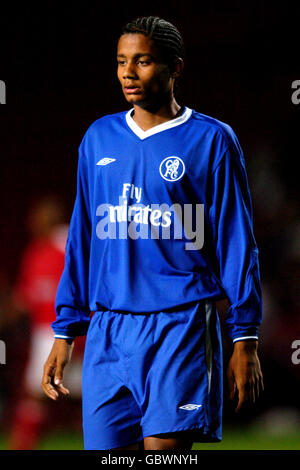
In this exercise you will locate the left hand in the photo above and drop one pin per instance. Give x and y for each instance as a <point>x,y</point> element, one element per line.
<point>244,373</point>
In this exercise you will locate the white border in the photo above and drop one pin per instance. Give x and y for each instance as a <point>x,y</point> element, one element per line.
<point>63,337</point>
<point>160,127</point>
<point>241,338</point>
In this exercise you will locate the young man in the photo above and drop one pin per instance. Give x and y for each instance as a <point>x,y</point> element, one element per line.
<point>151,182</point>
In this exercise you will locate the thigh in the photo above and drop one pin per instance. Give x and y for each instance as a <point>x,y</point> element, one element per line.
<point>169,441</point>
<point>136,446</point>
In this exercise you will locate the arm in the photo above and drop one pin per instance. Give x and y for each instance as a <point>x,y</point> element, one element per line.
<point>237,257</point>
<point>72,300</point>
<point>72,297</point>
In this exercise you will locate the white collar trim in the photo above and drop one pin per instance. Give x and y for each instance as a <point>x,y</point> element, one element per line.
<point>159,127</point>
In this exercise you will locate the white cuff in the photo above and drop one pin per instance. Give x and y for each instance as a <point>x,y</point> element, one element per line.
<point>242,338</point>
<point>64,337</point>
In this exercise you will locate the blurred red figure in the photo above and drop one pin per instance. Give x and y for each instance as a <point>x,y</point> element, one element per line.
<point>42,263</point>
<point>41,266</point>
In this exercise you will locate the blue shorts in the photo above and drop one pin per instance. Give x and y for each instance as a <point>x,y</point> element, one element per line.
<point>147,374</point>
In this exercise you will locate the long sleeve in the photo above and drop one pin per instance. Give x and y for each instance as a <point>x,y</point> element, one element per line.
<point>72,297</point>
<point>235,246</point>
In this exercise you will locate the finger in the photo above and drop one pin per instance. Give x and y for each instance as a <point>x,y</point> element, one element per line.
<point>58,377</point>
<point>232,391</point>
<point>62,389</point>
<point>50,391</point>
<point>252,393</point>
<point>259,388</point>
<point>46,383</point>
<point>262,383</point>
<point>242,394</point>
<point>231,386</point>
<point>259,385</point>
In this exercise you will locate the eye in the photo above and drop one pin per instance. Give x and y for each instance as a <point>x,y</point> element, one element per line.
<point>143,62</point>
<point>121,62</point>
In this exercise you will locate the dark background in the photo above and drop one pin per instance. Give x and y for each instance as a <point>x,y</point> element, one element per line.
<point>59,66</point>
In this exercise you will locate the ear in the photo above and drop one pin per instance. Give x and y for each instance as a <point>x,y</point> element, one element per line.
<point>177,67</point>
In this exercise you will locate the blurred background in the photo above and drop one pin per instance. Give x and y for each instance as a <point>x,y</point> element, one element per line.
<point>59,67</point>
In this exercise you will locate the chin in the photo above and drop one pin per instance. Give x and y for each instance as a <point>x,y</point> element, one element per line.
<point>133,99</point>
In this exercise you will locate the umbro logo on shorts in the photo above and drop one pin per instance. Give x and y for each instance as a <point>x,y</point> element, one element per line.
<point>190,407</point>
<point>106,161</point>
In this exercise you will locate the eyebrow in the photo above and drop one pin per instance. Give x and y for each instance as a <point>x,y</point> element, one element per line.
<point>140,54</point>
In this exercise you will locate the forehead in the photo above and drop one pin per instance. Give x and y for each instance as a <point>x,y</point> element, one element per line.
<point>131,44</point>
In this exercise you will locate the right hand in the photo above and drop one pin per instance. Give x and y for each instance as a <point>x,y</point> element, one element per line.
<point>58,358</point>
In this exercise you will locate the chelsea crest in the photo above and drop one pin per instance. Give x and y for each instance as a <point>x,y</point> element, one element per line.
<point>172,168</point>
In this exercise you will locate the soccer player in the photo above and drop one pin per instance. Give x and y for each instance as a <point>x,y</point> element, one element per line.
<point>161,230</point>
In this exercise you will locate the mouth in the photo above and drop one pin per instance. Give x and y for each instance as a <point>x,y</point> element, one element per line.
<point>131,90</point>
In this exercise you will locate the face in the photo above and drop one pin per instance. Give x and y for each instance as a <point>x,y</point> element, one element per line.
<point>144,77</point>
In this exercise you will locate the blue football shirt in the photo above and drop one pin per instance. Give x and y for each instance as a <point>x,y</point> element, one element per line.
<point>162,218</point>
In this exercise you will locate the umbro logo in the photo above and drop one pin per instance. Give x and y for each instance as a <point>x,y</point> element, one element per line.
<point>105,161</point>
<point>190,407</point>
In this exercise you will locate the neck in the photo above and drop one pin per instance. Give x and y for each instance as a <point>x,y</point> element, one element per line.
<point>147,118</point>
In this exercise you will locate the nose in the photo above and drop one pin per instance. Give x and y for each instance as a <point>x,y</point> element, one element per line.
<point>129,70</point>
